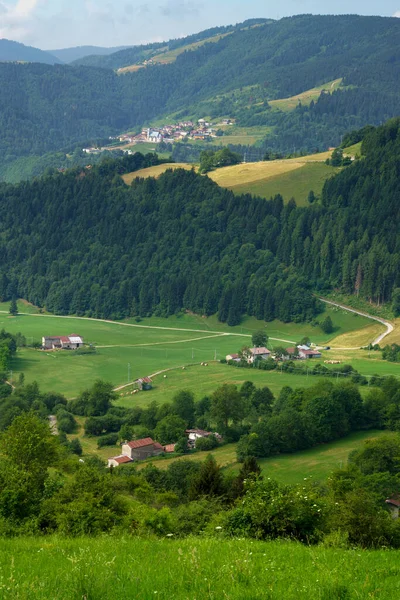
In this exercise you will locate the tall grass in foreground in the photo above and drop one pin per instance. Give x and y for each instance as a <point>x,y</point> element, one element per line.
<point>196,568</point>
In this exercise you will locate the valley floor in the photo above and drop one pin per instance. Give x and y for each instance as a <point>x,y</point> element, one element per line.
<point>113,568</point>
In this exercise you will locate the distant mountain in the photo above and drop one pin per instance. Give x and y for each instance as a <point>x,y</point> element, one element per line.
<point>45,108</point>
<point>133,54</point>
<point>15,52</point>
<point>68,55</point>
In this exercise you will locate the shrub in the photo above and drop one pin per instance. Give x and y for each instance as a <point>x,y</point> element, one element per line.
<point>207,443</point>
<point>107,440</point>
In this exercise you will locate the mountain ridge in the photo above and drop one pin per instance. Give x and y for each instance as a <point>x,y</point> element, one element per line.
<point>11,51</point>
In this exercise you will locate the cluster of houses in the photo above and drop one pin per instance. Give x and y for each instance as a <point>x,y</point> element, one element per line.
<point>147,447</point>
<point>184,130</point>
<point>300,352</point>
<point>62,342</point>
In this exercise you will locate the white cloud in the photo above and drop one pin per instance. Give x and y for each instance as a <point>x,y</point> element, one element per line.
<point>397,14</point>
<point>17,19</point>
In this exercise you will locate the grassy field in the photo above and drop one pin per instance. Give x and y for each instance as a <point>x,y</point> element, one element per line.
<point>155,171</point>
<point>394,337</point>
<point>132,350</point>
<point>293,183</point>
<point>111,568</point>
<point>293,177</point>
<point>359,338</point>
<point>317,463</point>
<point>289,104</point>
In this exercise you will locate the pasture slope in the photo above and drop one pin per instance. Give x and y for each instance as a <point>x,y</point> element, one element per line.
<point>128,350</point>
<point>293,177</point>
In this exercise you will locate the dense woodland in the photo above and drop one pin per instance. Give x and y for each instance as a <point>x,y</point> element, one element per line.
<point>83,242</point>
<point>45,108</point>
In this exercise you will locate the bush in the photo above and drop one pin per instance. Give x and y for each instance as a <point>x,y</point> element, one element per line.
<point>65,421</point>
<point>76,447</point>
<point>108,440</point>
<point>208,443</point>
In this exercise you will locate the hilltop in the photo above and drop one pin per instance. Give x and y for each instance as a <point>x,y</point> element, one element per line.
<point>16,52</point>
<point>208,251</point>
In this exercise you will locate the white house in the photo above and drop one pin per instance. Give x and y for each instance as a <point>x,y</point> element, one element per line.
<point>115,461</point>
<point>63,342</point>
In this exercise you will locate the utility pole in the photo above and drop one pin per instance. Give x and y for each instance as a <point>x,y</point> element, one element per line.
<point>215,354</point>
<point>192,353</point>
<point>129,372</point>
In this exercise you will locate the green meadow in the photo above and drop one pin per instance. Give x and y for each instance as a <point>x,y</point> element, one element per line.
<point>140,347</point>
<point>316,463</point>
<point>213,568</point>
<point>292,184</point>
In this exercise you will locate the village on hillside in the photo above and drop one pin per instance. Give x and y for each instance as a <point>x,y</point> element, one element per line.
<point>169,134</point>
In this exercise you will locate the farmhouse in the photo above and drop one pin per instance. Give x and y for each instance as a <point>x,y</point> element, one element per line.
<point>258,354</point>
<point>303,352</point>
<point>234,357</point>
<point>69,342</point>
<point>141,449</point>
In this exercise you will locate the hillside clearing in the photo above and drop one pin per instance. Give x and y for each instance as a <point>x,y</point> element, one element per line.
<point>293,177</point>
<point>305,98</point>
<point>296,183</point>
<point>155,171</point>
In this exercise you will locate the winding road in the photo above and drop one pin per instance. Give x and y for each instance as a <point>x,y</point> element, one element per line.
<point>387,324</point>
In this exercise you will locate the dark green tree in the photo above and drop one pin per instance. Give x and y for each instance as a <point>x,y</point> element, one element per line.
<point>259,339</point>
<point>13,307</point>
<point>209,480</point>
<point>327,325</point>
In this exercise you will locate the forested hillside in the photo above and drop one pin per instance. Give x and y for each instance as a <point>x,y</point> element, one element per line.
<point>14,51</point>
<point>83,242</point>
<point>128,56</point>
<point>45,108</point>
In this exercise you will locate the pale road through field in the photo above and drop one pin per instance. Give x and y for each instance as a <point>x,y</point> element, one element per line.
<point>142,326</point>
<point>381,336</point>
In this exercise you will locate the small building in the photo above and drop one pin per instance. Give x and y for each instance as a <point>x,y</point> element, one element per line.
<point>62,342</point>
<point>309,353</point>
<point>169,448</point>
<point>394,506</point>
<point>195,434</point>
<point>258,354</point>
<point>115,461</point>
<point>142,449</point>
<point>234,357</point>
<point>144,383</point>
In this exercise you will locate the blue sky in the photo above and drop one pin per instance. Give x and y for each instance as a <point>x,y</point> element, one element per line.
<point>63,23</point>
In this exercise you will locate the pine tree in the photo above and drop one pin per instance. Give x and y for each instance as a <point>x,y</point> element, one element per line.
<point>13,307</point>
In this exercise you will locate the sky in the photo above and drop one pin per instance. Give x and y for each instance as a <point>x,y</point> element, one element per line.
<point>54,24</point>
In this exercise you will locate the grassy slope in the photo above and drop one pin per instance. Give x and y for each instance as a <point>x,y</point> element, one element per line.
<point>317,463</point>
<point>290,184</point>
<point>147,347</point>
<point>394,337</point>
<point>289,104</point>
<point>155,171</point>
<point>197,568</point>
<point>293,177</point>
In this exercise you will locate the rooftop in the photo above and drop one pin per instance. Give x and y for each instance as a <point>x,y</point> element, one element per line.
<point>141,443</point>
